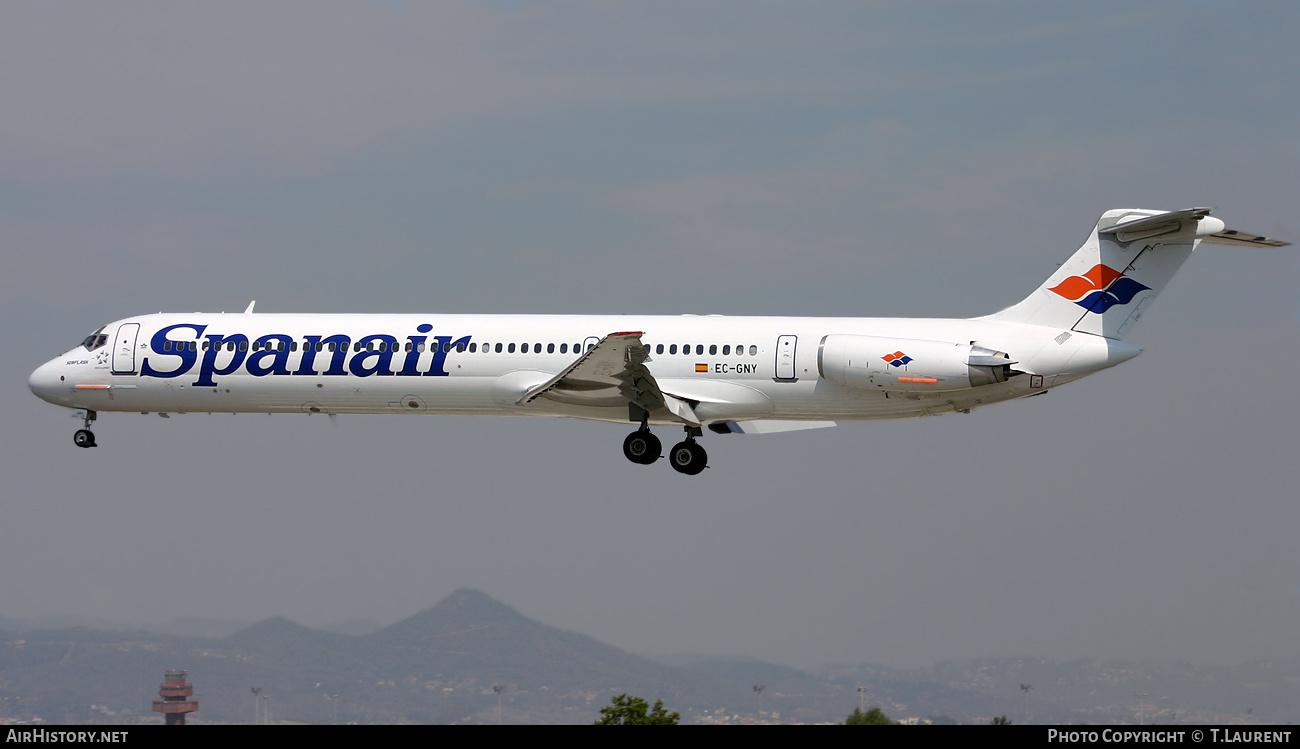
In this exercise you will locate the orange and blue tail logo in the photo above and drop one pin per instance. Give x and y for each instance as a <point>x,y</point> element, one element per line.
<point>1099,289</point>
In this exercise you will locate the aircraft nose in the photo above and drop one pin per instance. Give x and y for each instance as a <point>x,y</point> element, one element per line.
<point>45,383</point>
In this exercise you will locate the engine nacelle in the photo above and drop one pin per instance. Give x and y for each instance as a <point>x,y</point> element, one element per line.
<point>909,364</point>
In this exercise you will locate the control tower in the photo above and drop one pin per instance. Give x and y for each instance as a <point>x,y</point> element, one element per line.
<point>175,702</point>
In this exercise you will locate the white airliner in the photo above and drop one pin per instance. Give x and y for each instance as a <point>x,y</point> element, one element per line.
<point>730,374</point>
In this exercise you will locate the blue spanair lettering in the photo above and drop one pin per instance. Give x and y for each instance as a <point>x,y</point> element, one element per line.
<point>280,357</point>
<point>307,364</point>
<point>411,365</point>
<point>445,344</point>
<point>186,356</point>
<point>341,345</point>
<point>216,345</point>
<point>383,357</point>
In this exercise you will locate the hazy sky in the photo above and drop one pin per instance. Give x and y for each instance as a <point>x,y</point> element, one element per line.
<point>722,157</point>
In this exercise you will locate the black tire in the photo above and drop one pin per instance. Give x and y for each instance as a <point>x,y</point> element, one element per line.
<point>84,438</point>
<point>642,447</point>
<point>688,458</point>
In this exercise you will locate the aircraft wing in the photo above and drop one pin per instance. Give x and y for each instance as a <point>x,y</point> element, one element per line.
<point>614,369</point>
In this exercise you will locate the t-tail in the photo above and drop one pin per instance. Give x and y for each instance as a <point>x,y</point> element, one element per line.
<point>1110,282</point>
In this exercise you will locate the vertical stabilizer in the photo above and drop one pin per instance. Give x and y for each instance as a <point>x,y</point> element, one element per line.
<point>1106,286</point>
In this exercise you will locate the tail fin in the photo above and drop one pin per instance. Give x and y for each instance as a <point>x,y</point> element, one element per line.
<point>1131,254</point>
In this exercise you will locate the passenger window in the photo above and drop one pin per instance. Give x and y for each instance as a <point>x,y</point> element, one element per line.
<point>591,346</point>
<point>713,349</point>
<point>726,350</point>
<point>699,349</point>
<point>564,348</point>
<point>446,347</point>
<point>550,348</point>
<point>523,348</point>
<point>672,349</point>
<point>473,348</point>
<point>753,350</point>
<point>460,347</point>
<point>537,348</point>
<point>243,345</point>
<point>511,348</point>
<point>659,349</point>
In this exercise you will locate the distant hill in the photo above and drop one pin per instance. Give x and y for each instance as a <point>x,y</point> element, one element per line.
<point>441,665</point>
<point>179,627</point>
<point>438,666</point>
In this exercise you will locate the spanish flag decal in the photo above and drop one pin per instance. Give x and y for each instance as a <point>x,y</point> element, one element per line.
<point>701,367</point>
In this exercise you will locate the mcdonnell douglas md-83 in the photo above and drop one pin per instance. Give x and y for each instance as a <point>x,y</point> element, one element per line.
<point>729,374</point>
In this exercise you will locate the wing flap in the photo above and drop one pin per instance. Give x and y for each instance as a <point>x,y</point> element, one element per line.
<point>768,426</point>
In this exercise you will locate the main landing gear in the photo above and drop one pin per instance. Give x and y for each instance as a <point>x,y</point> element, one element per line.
<point>85,437</point>
<point>686,457</point>
<point>642,447</point>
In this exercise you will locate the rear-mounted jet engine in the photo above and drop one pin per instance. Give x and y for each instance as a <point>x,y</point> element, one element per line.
<point>910,365</point>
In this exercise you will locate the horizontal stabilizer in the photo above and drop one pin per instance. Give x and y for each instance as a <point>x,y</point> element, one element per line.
<point>1153,226</point>
<point>1243,239</point>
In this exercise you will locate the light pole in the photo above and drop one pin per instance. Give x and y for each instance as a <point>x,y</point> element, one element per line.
<point>1025,688</point>
<point>1142,709</point>
<point>759,688</point>
<point>862,699</point>
<point>498,689</point>
<point>334,708</point>
<point>256,691</point>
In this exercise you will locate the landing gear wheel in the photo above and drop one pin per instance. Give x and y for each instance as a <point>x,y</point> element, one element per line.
<point>642,447</point>
<point>84,438</point>
<point>688,458</point>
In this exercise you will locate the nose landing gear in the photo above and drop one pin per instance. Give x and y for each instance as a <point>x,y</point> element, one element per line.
<point>84,437</point>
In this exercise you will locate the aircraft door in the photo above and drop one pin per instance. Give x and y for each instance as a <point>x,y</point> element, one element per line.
<point>785,353</point>
<point>124,348</point>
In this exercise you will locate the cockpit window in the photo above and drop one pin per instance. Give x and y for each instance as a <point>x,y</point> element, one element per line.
<point>95,340</point>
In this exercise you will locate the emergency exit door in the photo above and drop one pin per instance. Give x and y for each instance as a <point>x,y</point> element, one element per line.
<point>785,355</point>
